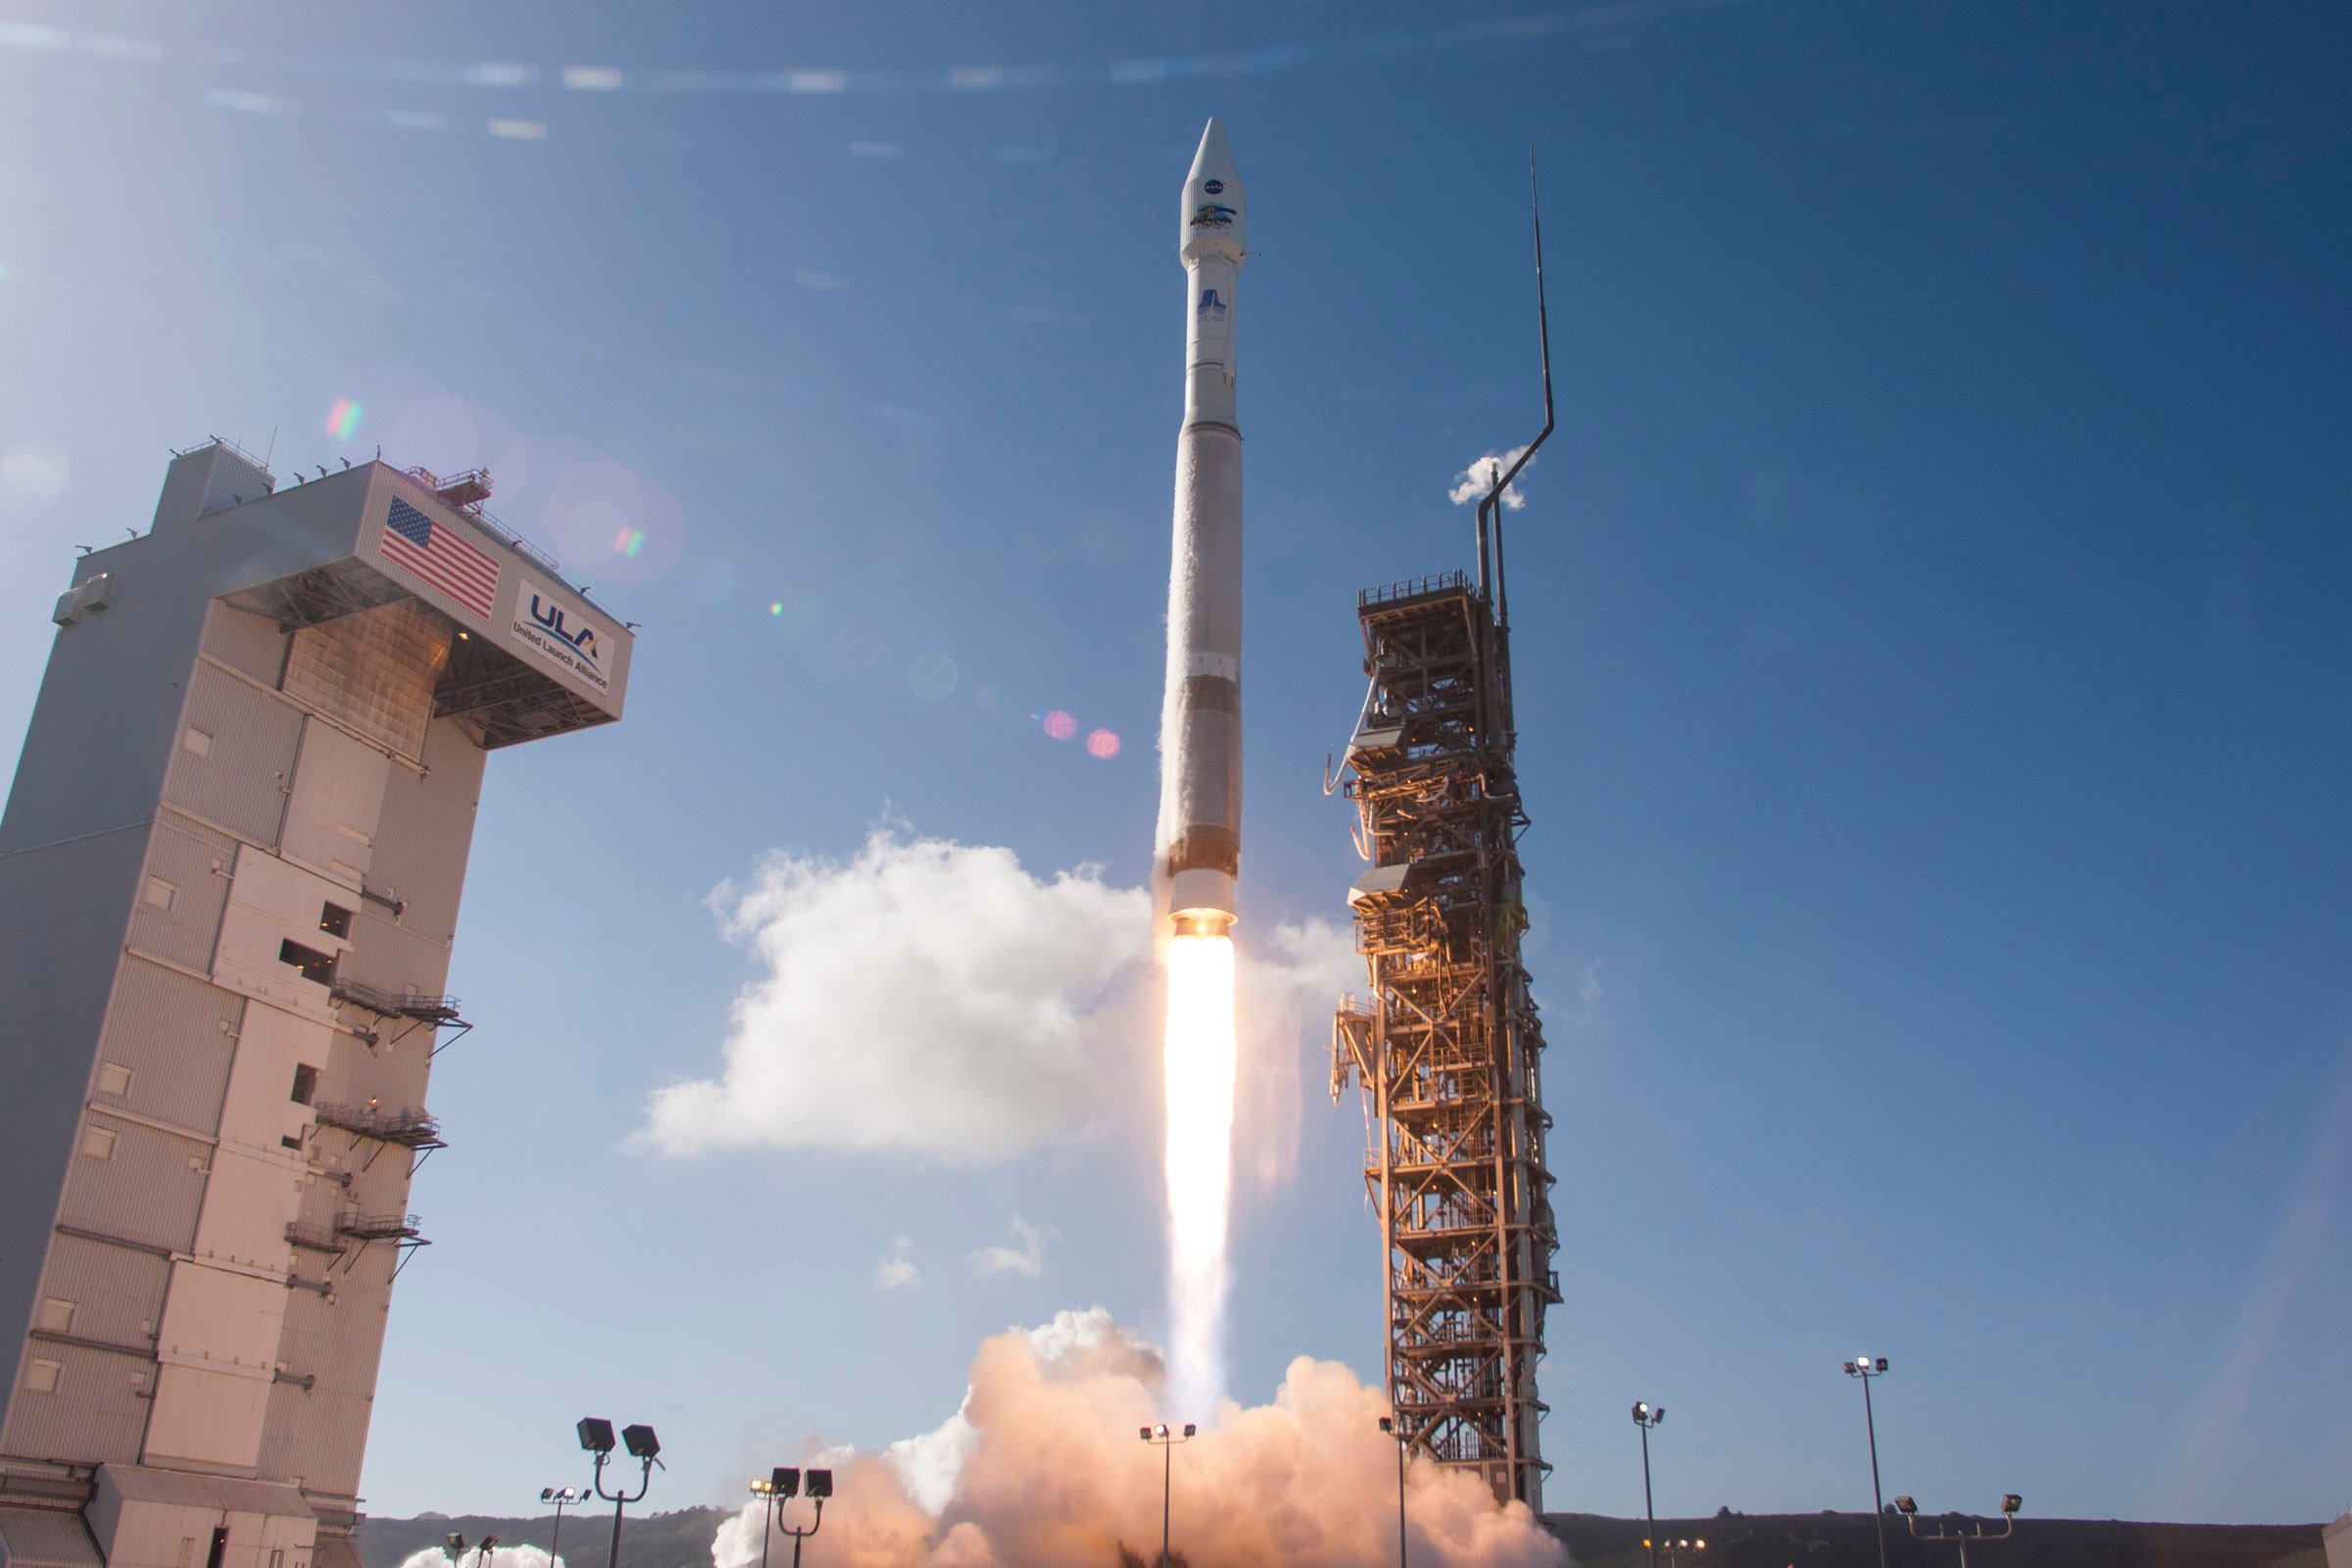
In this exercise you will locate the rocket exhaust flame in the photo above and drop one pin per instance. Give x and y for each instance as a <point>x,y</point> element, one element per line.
<point>1199,842</point>
<point>1199,1062</point>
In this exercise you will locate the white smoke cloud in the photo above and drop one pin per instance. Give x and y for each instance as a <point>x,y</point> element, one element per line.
<point>1041,1468</point>
<point>926,998</point>
<point>474,1557</point>
<point>897,1271</point>
<point>1027,1258</point>
<point>1472,483</point>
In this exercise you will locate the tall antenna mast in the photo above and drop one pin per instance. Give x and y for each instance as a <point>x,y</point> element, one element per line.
<point>1490,510</point>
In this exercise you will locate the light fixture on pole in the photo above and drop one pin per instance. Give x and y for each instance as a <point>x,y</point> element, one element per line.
<point>481,1553</point>
<point>1975,1531</point>
<point>563,1497</point>
<point>1865,1368</point>
<point>1165,1440</point>
<point>783,1484</point>
<point>1646,1416</point>
<point>1395,1429</point>
<point>596,1436</point>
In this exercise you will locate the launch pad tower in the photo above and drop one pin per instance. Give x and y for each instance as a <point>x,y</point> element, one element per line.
<point>1449,1050</point>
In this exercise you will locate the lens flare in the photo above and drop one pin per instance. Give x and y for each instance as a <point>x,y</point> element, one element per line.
<point>343,419</point>
<point>1060,726</point>
<point>628,543</point>
<point>1198,1059</point>
<point>1104,743</point>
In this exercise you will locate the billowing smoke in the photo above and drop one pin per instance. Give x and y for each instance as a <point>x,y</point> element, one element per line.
<point>1043,1468</point>
<point>476,1557</point>
<point>926,998</point>
<point>1473,482</point>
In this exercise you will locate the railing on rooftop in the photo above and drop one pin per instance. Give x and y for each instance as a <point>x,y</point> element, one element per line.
<point>1413,588</point>
<point>467,492</point>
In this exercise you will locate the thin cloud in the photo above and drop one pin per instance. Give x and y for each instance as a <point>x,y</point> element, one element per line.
<point>897,1271</point>
<point>1027,1260</point>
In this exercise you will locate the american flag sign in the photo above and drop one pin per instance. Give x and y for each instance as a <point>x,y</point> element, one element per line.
<point>437,555</point>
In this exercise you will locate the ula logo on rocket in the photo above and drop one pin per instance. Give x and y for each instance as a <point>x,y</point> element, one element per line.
<point>1210,306</point>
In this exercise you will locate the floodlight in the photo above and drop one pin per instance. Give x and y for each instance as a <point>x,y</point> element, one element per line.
<point>784,1480</point>
<point>1641,1408</point>
<point>596,1435</point>
<point>642,1442</point>
<point>1387,1425</point>
<point>489,1541</point>
<point>1849,1368</point>
<point>455,1542</point>
<point>1658,1414</point>
<point>1143,1433</point>
<point>2011,1502</point>
<point>1882,1364</point>
<point>547,1494</point>
<point>1160,1431</point>
<point>1905,1505</point>
<point>820,1484</point>
<point>1189,1429</point>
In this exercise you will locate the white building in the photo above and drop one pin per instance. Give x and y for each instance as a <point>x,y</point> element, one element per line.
<point>229,873</point>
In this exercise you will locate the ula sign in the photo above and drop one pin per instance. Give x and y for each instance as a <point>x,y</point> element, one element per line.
<point>558,634</point>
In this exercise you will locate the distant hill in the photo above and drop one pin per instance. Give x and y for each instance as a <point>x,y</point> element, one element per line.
<point>681,1539</point>
<point>1848,1541</point>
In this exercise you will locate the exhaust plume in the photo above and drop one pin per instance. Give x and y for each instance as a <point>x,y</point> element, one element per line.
<point>1042,1468</point>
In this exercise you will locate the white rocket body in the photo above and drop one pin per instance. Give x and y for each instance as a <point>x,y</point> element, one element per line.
<point>1199,844</point>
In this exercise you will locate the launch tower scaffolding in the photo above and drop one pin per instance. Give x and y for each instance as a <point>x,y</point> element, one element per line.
<point>1448,1049</point>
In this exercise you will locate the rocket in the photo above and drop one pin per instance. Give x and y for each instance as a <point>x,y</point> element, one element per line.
<point>1197,847</point>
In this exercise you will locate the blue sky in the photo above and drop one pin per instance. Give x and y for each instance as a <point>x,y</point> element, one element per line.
<point>1931,658</point>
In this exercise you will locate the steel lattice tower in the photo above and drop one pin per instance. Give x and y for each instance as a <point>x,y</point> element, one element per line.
<point>1449,1048</point>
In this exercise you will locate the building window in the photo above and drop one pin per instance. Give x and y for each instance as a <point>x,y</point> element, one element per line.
<point>306,1083</point>
<point>114,1079</point>
<point>159,893</point>
<point>277,1558</point>
<point>196,742</point>
<point>40,1377</point>
<point>98,1142</point>
<point>313,965</point>
<point>57,1316</point>
<point>289,1141</point>
<point>335,920</point>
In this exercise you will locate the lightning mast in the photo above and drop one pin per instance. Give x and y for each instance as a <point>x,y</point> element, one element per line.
<point>1449,1050</point>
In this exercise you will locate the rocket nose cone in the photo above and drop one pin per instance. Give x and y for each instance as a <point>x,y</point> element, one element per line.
<point>1214,159</point>
<point>1215,211</point>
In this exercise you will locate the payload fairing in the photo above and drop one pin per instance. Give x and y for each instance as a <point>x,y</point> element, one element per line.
<point>1199,844</point>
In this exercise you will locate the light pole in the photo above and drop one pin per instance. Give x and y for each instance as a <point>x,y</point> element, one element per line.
<point>1391,1428</point>
<point>595,1435</point>
<point>1165,1440</point>
<point>782,1484</point>
<point>481,1553</point>
<point>1866,1368</point>
<point>561,1497</point>
<point>1646,1416</point>
<point>2010,1504</point>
